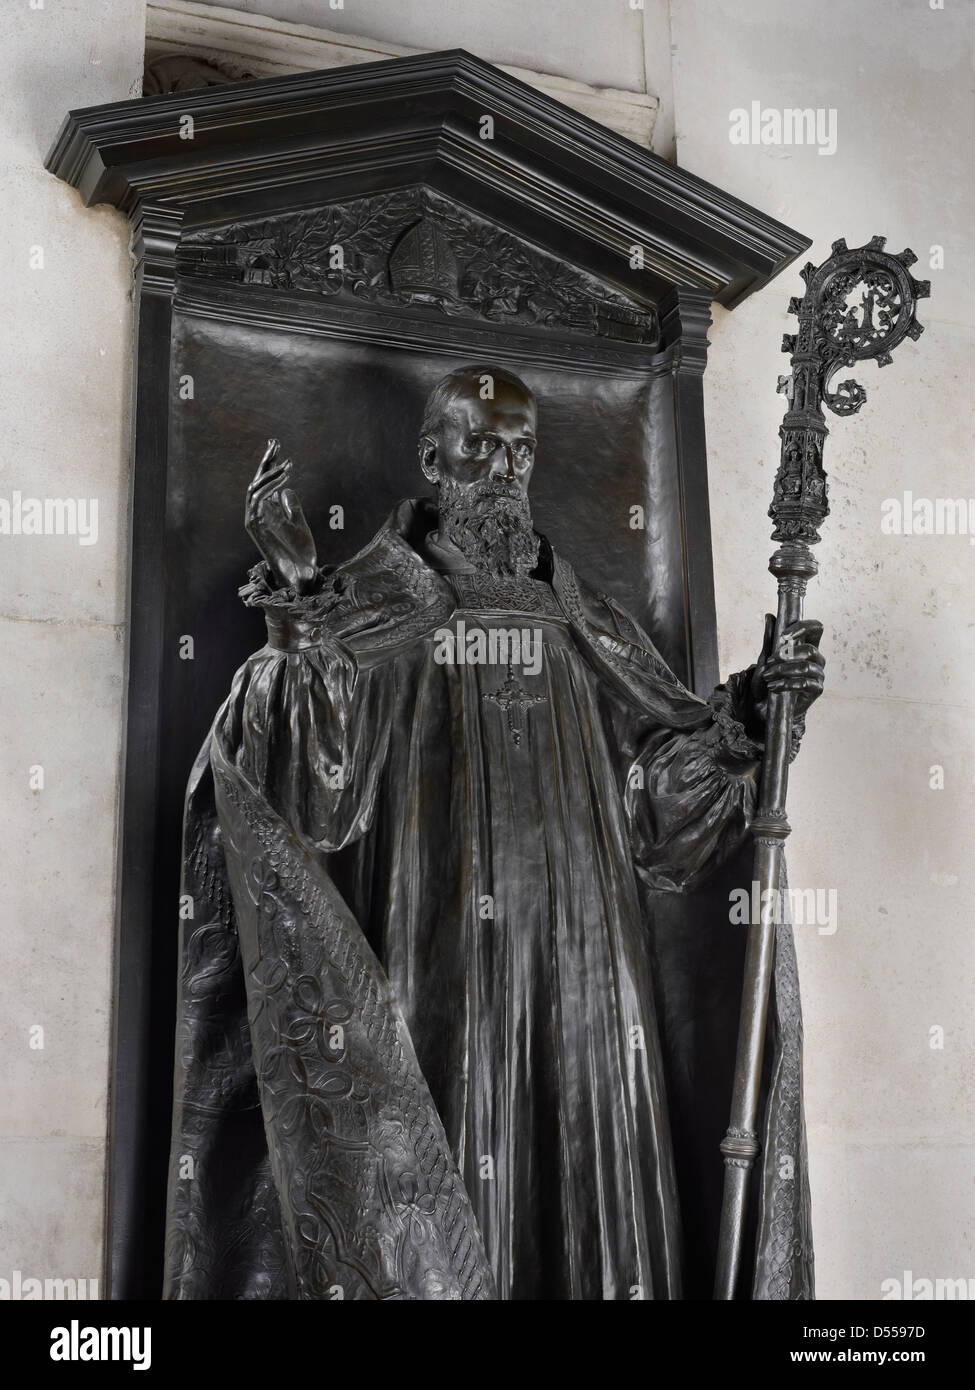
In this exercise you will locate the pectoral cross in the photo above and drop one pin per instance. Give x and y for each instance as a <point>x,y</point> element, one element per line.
<point>514,701</point>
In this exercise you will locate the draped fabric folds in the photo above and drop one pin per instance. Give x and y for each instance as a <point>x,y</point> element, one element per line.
<point>419,1050</point>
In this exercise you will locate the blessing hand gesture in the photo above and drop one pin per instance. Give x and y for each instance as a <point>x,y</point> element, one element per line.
<point>276,523</point>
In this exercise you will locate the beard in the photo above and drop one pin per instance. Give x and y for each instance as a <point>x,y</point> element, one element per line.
<point>490,523</point>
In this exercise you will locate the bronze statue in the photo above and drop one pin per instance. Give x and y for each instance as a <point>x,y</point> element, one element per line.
<point>418,846</point>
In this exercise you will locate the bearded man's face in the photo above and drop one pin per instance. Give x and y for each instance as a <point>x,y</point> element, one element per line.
<point>482,456</point>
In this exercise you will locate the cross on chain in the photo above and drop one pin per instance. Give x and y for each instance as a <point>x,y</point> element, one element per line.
<point>514,701</point>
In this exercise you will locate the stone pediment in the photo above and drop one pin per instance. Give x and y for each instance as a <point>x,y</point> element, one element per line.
<point>266,148</point>
<point>416,247</point>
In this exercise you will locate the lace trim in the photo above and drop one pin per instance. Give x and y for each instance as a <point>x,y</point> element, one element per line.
<point>259,592</point>
<point>727,729</point>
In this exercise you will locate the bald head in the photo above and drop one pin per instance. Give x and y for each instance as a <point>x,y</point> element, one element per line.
<point>479,425</point>
<point>477,444</point>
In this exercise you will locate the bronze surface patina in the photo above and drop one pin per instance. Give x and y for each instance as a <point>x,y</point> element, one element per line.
<point>423,840</point>
<point>458,982</point>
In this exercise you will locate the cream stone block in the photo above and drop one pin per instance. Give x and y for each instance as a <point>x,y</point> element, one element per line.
<point>890,1035</point>
<point>61,690</point>
<point>254,45</point>
<point>599,44</point>
<point>897,75</point>
<point>909,1219</point>
<point>51,1210</point>
<point>66,54</point>
<point>830,1194</point>
<point>64,416</point>
<point>880,1210</point>
<point>65,287</point>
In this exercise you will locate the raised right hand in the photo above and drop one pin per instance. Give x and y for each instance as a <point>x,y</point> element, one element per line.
<point>276,524</point>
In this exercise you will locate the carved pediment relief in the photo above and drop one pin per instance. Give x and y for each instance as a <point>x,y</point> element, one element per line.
<point>416,247</point>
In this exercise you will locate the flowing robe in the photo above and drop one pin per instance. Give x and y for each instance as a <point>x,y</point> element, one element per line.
<point>460,850</point>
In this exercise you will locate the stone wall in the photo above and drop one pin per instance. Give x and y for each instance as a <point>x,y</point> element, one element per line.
<point>65,291</point>
<point>890,1113</point>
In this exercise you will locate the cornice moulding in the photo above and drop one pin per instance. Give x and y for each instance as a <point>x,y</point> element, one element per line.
<point>263,47</point>
<point>282,143</point>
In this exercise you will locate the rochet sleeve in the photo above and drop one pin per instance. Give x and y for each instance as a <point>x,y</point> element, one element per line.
<point>690,795</point>
<point>302,724</point>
